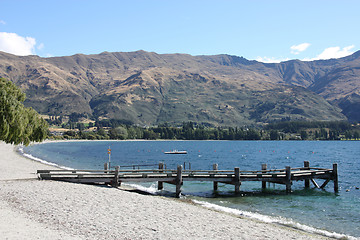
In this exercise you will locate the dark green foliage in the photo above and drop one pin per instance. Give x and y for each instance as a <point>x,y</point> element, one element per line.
<point>18,124</point>
<point>296,126</point>
<point>252,134</point>
<point>303,135</point>
<point>118,133</point>
<point>113,129</point>
<point>334,135</point>
<point>356,135</point>
<point>74,117</point>
<point>150,134</point>
<point>274,135</point>
<point>112,123</point>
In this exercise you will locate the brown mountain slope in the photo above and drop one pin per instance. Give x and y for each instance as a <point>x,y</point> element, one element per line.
<point>341,86</point>
<point>337,80</point>
<point>149,88</point>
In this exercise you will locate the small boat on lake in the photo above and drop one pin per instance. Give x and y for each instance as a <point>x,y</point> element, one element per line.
<point>176,152</point>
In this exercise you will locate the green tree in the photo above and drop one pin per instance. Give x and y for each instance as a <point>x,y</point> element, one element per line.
<point>348,135</point>
<point>101,134</point>
<point>274,135</point>
<point>323,134</point>
<point>317,135</point>
<point>304,135</point>
<point>356,135</point>
<point>118,133</point>
<point>18,124</point>
<point>252,134</point>
<point>150,134</point>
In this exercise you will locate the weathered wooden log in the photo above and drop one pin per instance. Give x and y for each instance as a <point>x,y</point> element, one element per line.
<point>307,167</point>
<point>115,182</point>
<point>288,179</point>
<point>178,181</point>
<point>215,167</point>
<point>237,179</point>
<point>263,168</point>
<point>161,184</point>
<point>335,177</point>
<point>105,167</point>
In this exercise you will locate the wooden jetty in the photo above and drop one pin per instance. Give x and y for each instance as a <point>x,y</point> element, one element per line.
<point>161,175</point>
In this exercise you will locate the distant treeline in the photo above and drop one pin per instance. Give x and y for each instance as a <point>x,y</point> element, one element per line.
<point>316,130</point>
<point>296,126</point>
<point>291,130</point>
<point>186,132</point>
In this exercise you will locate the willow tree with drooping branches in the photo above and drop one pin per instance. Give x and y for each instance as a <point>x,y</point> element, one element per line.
<point>18,124</point>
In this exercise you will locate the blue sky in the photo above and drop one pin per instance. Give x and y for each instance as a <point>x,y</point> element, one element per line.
<point>263,30</point>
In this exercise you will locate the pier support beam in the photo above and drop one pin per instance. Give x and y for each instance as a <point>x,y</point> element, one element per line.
<point>161,184</point>
<point>237,180</point>
<point>105,167</point>
<point>335,177</point>
<point>315,183</point>
<point>179,181</point>
<point>307,167</point>
<point>215,168</point>
<point>288,179</point>
<point>263,168</point>
<point>115,182</point>
<point>325,183</point>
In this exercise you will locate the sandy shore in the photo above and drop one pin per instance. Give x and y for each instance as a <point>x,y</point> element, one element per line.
<point>33,209</point>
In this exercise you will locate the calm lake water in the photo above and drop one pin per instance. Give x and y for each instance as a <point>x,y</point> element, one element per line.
<point>310,210</point>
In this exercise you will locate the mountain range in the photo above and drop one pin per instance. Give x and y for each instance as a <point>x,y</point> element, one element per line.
<point>147,88</point>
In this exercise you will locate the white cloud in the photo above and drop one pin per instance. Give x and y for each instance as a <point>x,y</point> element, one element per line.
<point>40,46</point>
<point>296,49</point>
<point>2,22</point>
<point>334,52</point>
<point>328,53</point>
<point>271,59</point>
<point>15,44</point>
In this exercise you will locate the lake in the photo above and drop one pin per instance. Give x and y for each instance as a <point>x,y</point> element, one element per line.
<point>323,211</point>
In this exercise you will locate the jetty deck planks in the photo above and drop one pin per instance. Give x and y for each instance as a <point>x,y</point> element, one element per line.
<point>235,177</point>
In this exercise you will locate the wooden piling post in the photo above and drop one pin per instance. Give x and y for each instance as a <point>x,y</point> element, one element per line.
<point>335,177</point>
<point>105,167</point>
<point>115,182</point>
<point>288,179</point>
<point>161,184</point>
<point>215,168</point>
<point>178,181</point>
<point>237,179</point>
<point>307,167</point>
<point>263,168</point>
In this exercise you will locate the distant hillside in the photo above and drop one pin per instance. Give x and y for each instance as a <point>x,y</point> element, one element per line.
<point>148,88</point>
